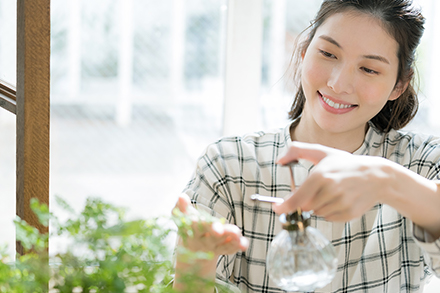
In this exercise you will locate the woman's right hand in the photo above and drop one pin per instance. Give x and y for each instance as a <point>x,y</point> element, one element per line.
<point>218,238</point>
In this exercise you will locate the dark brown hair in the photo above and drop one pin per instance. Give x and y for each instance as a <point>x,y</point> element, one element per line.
<point>403,22</point>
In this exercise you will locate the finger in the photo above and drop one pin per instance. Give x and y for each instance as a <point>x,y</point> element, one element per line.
<point>233,246</point>
<point>231,232</point>
<point>183,201</point>
<point>218,238</point>
<point>218,232</point>
<point>341,210</point>
<point>234,236</point>
<point>321,199</point>
<point>301,197</point>
<point>307,151</point>
<point>218,229</point>
<point>328,209</point>
<point>355,210</point>
<point>203,230</point>
<point>291,203</point>
<point>244,243</point>
<point>342,216</point>
<point>230,240</point>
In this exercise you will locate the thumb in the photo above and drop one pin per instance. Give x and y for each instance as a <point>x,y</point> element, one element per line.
<point>307,151</point>
<point>183,203</point>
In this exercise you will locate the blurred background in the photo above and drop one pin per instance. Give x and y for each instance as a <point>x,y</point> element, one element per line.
<point>140,87</point>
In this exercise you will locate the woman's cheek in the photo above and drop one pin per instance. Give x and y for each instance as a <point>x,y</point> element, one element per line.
<point>314,74</point>
<point>372,95</point>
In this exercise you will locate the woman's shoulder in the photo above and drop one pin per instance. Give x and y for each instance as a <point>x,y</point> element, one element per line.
<point>412,138</point>
<point>403,143</point>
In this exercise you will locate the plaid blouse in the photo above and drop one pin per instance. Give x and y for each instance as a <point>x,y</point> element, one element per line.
<point>380,252</point>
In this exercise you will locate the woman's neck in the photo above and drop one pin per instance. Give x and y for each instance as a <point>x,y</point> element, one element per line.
<point>349,142</point>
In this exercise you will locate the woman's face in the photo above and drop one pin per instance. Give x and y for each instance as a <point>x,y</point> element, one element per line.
<point>349,72</point>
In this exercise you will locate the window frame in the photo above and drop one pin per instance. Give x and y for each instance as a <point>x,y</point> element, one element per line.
<point>30,102</point>
<point>8,97</point>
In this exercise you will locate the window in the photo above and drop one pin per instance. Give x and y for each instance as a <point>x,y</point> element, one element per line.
<point>137,93</point>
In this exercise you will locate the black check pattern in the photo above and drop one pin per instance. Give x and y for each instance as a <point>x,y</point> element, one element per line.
<point>380,252</point>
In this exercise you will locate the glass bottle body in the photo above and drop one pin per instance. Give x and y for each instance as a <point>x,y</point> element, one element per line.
<point>301,260</point>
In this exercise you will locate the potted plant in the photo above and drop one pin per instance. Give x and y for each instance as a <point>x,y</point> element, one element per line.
<point>105,252</point>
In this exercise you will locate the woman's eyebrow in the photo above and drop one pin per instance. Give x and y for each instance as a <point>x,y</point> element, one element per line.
<point>331,40</point>
<point>373,57</point>
<point>377,57</point>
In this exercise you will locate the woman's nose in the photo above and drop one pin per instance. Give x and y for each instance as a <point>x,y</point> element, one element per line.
<point>341,80</point>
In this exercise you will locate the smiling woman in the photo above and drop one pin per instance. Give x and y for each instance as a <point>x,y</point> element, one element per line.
<point>368,179</point>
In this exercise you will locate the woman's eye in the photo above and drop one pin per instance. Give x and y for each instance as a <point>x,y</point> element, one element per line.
<point>327,54</point>
<point>369,71</point>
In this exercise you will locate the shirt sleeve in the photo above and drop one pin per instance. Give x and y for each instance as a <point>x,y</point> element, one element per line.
<point>425,160</point>
<point>430,247</point>
<point>211,187</point>
<point>210,191</point>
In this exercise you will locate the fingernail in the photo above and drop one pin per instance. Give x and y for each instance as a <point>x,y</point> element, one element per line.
<point>190,210</point>
<point>218,228</point>
<point>244,242</point>
<point>279,158</point>
<point>276,207</point>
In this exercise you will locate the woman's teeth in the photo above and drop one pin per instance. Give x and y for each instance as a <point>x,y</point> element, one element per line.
<point>335,105</point>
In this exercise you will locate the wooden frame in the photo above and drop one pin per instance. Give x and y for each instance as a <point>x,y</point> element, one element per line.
<point>31,104</point>
<point>8,97</point>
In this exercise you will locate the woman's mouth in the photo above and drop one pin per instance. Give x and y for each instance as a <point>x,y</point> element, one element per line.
<point>335,107</point>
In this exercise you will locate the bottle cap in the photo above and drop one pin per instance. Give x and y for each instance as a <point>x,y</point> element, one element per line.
<point>295,221</point>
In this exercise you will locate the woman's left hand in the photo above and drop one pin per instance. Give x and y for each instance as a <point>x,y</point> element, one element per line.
<point>341,186</point>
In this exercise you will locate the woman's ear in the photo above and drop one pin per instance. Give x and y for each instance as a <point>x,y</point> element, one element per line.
<point>303,53</point>
<point>398,90</point>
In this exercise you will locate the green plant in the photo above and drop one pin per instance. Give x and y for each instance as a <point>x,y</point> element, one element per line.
<point>105,252</point>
